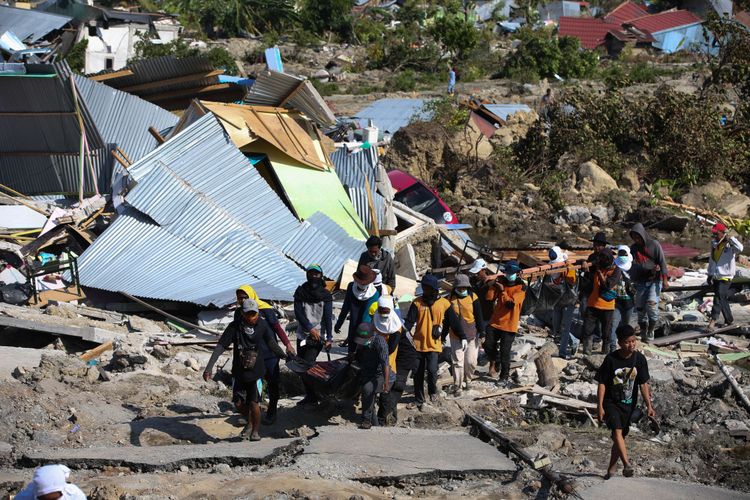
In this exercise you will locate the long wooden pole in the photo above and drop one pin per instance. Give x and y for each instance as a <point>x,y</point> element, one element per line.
<point>733,382</point>
<point>167,315</point>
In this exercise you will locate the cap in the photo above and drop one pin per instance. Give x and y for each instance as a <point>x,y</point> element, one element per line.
<point>431,281</point>
<point>719,227</point>
<point>315,267</point>
<point>479,264</point>
<point>364,333</point>
<point>600,238</point>
<point>249,305</point>
<point>364,274</point>
<point>461,281</point>
<point>511,267</point>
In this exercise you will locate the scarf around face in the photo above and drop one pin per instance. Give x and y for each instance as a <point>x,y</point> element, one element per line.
<point>313,291</point>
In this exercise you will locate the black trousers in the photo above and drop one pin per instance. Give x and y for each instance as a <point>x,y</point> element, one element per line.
<point>370,389</point>
<point>397,390</point>
<point>721,301</point>
<point>428,362</point>
<point>497,345</point>
<point>309,352</point>
<point>595,317</point>
<point>273,379</point>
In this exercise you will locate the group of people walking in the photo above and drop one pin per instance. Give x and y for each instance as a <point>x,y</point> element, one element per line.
<point>481,310</point>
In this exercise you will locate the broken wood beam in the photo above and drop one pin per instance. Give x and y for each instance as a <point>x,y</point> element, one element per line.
<point>97,351</point>
<point>111,76</point>
<point>563,483</point>
<point>167,315</point>
<point>733,382</point>
<point>505,392</point>
<point>159,138</point>
<point>676,338</point>
<point>170,81</point>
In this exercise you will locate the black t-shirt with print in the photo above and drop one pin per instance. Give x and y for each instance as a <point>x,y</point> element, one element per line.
<point>621,377</point>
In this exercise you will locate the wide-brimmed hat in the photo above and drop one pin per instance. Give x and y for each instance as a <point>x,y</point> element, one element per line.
<point>364,274</point>
<point>600,238</point>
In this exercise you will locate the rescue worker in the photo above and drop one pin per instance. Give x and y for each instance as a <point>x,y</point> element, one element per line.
<point>361,293</point>
<point>377,258</point>
<point>600,304</point>
<point>509,292</point>
<point>464,352</point>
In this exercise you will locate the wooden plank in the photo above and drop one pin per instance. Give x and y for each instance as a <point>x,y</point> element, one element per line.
<point>562,400</point>
<point>186,92</point>
<point>67,294</point>
<point>170,81</point>
<point>155,133</point>
<point>692,335</point>
<point>111,76</point>
<point>505,392</point>
<point>96,351</point>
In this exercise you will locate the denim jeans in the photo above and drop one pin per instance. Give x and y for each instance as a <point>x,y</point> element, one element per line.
<point>623,312</point>
<point>562,319</point>
<point>647,302</point>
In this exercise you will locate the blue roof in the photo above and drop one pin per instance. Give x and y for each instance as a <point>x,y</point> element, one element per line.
<point>392,114</point>
<point>506,110</point>
<point>273,59</point>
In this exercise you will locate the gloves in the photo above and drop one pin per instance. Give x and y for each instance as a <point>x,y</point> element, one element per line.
<point>509,304</point>
<point>464,344</point>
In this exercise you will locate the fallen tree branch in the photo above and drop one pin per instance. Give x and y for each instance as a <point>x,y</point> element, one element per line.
<point>733,382</point>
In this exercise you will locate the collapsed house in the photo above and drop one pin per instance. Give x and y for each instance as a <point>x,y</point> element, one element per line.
<point>33,36</point>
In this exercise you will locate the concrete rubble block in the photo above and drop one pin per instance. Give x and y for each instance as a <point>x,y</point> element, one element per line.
<point>169,457</point>
<point>659,371</point>
<point>593,180</point>
<point>737,428</point>
<point>139,324</point>
<point>600,214</point>
<point>627,488</point>
<point>6,450</point>
<point>584,391</point>
<point>383,454</point>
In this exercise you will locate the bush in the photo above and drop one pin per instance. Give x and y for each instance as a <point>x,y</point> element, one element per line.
<point>404,81</point>
<point>220,58</point>
<point>76,57</point>
<point>325,88</point>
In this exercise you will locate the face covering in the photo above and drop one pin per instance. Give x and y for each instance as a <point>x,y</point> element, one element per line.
<point>363,292</point>
<point>462,293</point>
<point>511,277</point>
<point>315,283</point>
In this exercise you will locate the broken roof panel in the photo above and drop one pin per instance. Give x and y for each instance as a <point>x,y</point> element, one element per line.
<point>29,25</point>
<point>123,119</point>
<point>273,88</point>
<point>389,115</point>
<point>625,12</point>
<point>139,257</point>
<point>273,59</point>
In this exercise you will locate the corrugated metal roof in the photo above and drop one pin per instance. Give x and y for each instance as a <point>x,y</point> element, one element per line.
<point>139,257</point>
<point>271,88</point>
<point>33,175</point>
<point>123,119</point>
<point>163,68</point>
<point>29,25</point>
<point>389,115</point>
<point>506,110</point>
<point>331,249</point>
<point>358,196</point>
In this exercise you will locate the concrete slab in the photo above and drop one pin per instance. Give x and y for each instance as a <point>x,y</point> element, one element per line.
<point>89,333</point>
<point>621,488</point>
<point>167,458</point>
<point>382,454</point>
<point>13,357</point>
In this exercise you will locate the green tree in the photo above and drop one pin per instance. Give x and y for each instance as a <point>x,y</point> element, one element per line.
<point>219,57</point>
<point>455,34</point>
<point>76,56</point>
<point>546,55</point>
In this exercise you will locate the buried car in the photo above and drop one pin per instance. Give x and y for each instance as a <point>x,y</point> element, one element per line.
<point>421,198</point>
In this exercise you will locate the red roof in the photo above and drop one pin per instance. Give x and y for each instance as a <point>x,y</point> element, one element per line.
<point>626,11</point>
<point>664,21</point>
<point>590,31</point>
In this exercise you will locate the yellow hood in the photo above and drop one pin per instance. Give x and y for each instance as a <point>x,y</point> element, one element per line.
<point>251,294</point>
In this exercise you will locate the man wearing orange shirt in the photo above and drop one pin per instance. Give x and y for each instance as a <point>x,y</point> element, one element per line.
<point>509,292</point>
<point>600,305</point>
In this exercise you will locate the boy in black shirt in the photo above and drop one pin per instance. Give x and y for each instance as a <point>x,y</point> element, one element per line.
<point>619,377</point>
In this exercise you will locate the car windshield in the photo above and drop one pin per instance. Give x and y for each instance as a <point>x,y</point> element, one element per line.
<point>422,200</point>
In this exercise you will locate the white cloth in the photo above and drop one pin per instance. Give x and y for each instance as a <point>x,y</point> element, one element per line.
<point>378,277</point>
<point>51,479</point>
<point>560,256</point>
<point>389,323</point>
<point>479,264</point>
<point>624,262</point>
<point>363,292</point>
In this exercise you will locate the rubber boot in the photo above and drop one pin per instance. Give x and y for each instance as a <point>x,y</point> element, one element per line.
<point>650,331</point>
<point>588,343</point>
<point>643,328</point>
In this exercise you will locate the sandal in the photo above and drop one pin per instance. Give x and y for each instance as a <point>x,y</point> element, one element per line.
<point>628,471</point>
